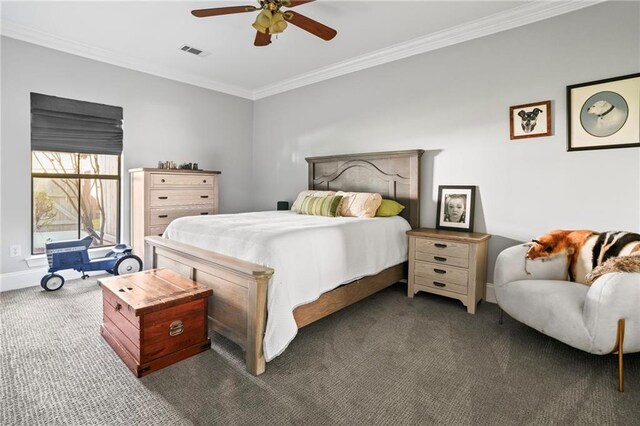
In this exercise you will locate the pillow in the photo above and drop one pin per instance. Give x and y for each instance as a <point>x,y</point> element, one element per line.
<point>321,206</point>
<point>389,208</point>
<point>359,204</point>
<point>301,196</point>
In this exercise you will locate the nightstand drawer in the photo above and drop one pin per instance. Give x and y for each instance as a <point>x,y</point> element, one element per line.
<point>442,273</point>
<point>442,248</point>
<point>462,262</point>
<point>441,285</point>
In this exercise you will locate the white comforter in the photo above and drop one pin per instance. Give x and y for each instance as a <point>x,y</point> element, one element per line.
<point>309,254</point>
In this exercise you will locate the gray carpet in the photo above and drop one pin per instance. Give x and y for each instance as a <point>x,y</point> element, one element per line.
<point>387,360</point>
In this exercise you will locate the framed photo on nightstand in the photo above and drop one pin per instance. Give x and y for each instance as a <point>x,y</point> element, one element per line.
<point>455,207</point>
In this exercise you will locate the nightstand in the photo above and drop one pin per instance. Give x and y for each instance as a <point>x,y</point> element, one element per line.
<point>448,263</point>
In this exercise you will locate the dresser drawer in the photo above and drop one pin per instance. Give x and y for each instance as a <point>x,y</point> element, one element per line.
<point>442,273</point>
<point>156,230</point>
<point>442,247</point>
<point>165,216</point>
<point>161,180</point>
<point>180,197</point>
<point>443,285</point>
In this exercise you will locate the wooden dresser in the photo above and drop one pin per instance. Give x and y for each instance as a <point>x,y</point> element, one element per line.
<point>448,263</point>
<point>159,196</point>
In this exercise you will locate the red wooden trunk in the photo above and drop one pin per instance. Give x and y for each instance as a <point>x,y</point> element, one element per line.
<point>154,318</point>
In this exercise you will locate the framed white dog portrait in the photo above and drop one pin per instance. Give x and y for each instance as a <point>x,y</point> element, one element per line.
<point>530,120</point>
<point>455,207</point>
<point>604,114</point>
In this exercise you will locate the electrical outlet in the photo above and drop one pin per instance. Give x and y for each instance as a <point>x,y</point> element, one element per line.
<point>15,250</point>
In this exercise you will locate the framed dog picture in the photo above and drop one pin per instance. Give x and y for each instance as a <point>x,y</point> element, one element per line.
<point>455,208</point>
<point>530,120</point>
<point>604,114</point>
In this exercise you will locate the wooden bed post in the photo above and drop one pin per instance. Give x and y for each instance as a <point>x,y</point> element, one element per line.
<point>256,322</point>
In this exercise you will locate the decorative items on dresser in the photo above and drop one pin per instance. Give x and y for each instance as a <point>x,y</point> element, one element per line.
<point>448,263</point>
<point>154,318</point>
<point>159,196</point>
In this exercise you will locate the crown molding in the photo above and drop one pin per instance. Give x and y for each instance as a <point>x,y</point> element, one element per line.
<point>522,15</point>
<point>30,35</point>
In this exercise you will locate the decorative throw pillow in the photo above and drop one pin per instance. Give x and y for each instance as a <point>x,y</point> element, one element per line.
<point>303,194</point>
<point>321,206</point>
<point>389,208</point>
<point>359,204</point>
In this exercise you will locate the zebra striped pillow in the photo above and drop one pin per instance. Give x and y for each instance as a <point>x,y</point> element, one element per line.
<point>321,206</point>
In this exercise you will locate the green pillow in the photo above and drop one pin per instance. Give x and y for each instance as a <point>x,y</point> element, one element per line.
<point>321,206</point>
<point>389,208</point>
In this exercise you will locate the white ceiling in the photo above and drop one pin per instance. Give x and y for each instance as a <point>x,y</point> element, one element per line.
<point>147,35</point>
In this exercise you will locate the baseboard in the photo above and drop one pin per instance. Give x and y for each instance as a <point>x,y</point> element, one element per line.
<point>32,277</point>
<point>490,294</point>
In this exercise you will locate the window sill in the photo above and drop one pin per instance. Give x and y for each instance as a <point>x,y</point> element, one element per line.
<point>40,260</point>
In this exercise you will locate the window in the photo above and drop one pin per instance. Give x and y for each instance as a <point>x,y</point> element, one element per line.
<point>75,171</point>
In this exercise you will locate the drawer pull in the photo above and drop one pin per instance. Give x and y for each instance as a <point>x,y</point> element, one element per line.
<point>162,198</point>
<point>159,235</point>
<point>440,258</point>
<point>163,215</point>
<point>439,271</point>
<point>162,180</point>
<point>439,284</point>
<point>204,181</point>
<point>440,245</point>
<point>204,196</point>
<point>204,213</point>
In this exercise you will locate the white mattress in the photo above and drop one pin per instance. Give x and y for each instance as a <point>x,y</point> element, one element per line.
<point>310,255</point>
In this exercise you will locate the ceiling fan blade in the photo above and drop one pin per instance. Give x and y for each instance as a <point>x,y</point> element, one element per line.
<point>308,24</point>
<point>262,39</point>
<point>294,3</point>
<point>203,13</point>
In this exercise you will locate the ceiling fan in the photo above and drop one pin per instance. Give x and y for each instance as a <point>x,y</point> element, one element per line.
<point>272,19</point>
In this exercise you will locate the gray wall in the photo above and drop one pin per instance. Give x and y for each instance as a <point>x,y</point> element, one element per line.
<point>454,104</point>
<point>163,120</point>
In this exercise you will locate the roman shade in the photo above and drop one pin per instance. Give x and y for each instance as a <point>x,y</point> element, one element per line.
<point>67,125</point>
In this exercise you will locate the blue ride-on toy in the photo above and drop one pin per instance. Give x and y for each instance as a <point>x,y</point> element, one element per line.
<point>74,254</point>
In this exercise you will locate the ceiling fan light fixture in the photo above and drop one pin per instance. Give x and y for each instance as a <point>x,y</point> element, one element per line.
<point>278,24</point>
<point>263,21</point>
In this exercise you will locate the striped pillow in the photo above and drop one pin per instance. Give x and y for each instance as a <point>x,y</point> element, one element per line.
<point>321,206</point>
<point>312,193</point>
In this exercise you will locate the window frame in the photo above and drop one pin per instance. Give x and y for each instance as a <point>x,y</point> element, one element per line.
<point>78,177</point>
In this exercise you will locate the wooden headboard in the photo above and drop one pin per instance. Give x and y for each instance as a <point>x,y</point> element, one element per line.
<point>394,175</point>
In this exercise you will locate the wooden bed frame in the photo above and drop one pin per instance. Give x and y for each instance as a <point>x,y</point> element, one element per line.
<point>237,309</point>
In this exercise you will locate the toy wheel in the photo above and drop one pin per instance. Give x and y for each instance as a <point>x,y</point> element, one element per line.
<point>52,282</point>
<point>127,265</point>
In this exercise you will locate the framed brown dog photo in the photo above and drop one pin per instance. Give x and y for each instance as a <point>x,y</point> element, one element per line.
<point>455,207</point>
<point>604,114</point>
<point>530,120</point>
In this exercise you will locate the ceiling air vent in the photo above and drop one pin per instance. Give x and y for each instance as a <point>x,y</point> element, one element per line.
<point>195,51</point>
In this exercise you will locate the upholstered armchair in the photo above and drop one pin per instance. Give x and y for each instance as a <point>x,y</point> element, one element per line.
<point>600,319</point>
